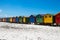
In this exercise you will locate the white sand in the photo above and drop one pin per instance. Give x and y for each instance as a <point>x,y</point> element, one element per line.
<point>13,31</point>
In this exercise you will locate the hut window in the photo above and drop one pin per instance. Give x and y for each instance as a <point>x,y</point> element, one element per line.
<point>50,16</point>
<point>45,16</point>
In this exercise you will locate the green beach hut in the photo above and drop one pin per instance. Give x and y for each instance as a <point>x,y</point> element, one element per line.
<point>39,19</point>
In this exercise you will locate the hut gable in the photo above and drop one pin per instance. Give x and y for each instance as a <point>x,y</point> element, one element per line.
<point>32,16</point>
<point>48,14</point>
<point>57,14</point>
<point>39,16</point>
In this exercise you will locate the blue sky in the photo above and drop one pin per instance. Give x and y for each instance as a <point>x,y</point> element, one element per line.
<point>28,7</point>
